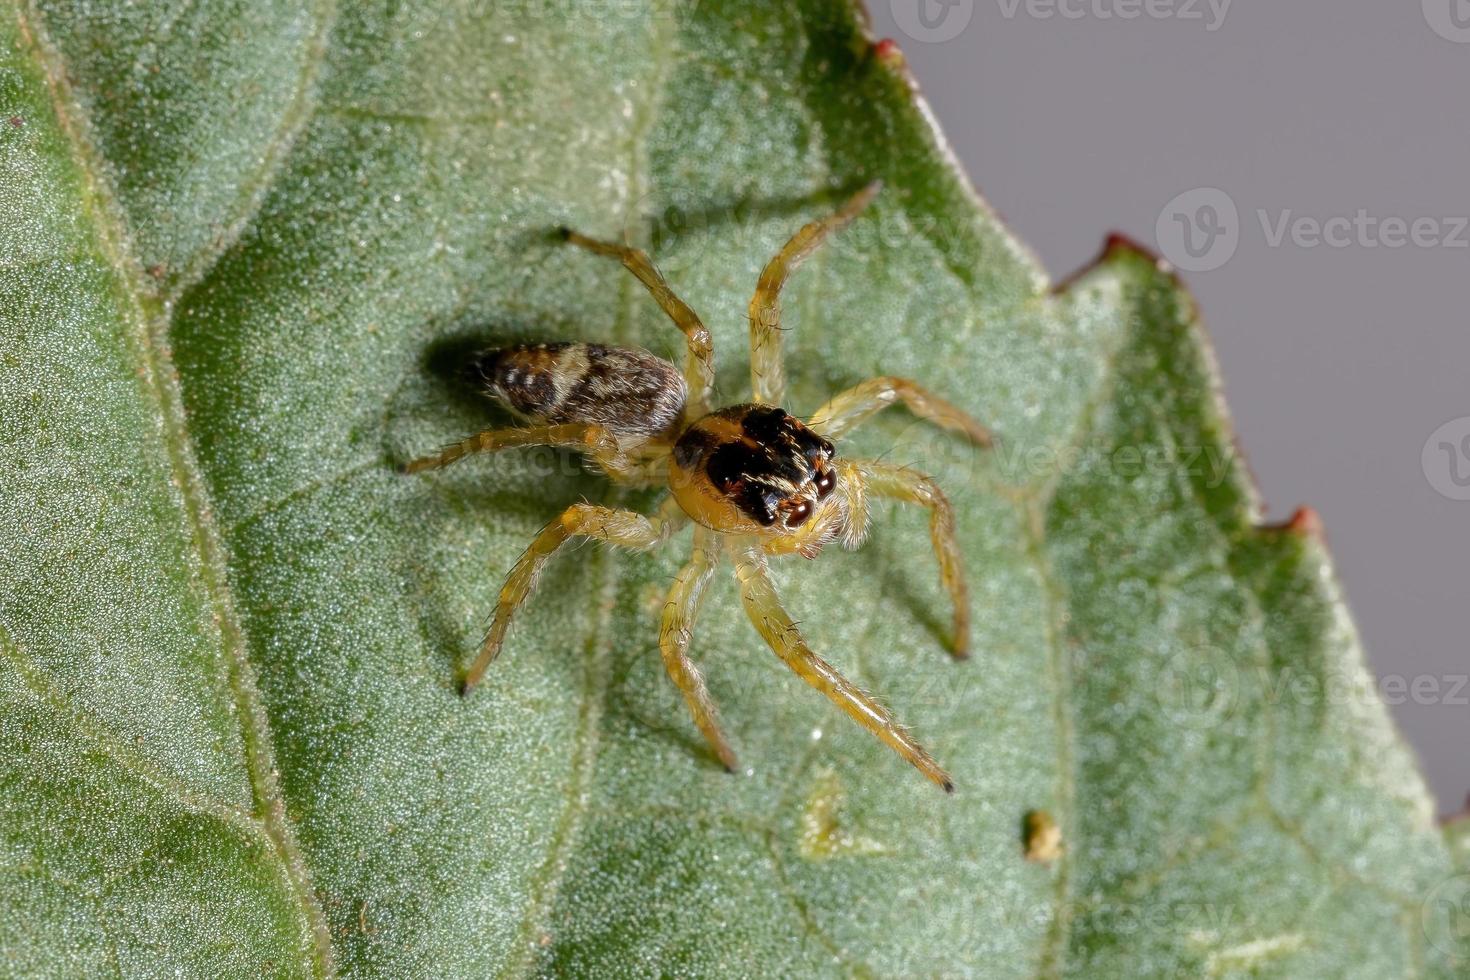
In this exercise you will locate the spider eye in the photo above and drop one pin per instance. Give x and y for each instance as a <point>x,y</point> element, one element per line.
<point>825,483</point>
<point>798,515</point>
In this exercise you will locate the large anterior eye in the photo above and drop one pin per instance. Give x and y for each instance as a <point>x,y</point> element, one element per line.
<point>825,482</point>
<point>798,515</point>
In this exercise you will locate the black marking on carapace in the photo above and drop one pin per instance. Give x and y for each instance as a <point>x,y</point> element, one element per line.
<point>776,427</point>
<point>764,423</point>
<point>692,447</point>
<point>775,460</point>
<point>735,469</point>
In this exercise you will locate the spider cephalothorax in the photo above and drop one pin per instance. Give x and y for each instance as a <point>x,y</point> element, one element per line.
<point>756,480</point>
<point>751,468</point>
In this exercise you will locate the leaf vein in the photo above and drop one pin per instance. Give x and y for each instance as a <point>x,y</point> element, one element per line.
<point>293,121</point>
<point>1033,520</point>
<point>547,881</point>
<point>149,322</point>
<point>132,763</point>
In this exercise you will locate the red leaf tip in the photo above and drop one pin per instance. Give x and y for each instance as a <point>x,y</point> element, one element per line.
<point>889,53</point>
<point>1305,522</point>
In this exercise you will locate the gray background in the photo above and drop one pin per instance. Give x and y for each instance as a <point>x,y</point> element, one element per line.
<point>1339,362</point>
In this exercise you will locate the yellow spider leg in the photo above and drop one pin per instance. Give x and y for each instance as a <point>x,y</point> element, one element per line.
<point>767,373</point>
<point>775,625</point>
<point>898,483</point>
<point>851,408</point>
<point>673,642</point>
<point>699,367</point>
<point>853,489</point>
<point>591,439</point>
<point>623,528</point>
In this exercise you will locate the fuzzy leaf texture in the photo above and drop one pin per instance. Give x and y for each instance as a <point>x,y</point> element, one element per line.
<point>238,244</point>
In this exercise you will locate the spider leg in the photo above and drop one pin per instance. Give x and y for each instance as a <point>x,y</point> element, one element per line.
<point>591,439</point>
<point>594,440</point>
<point>851,408</point>
<point>673,642</point>
<point>699,366</point>
<point>767,372</point>
<point>623,528</point>
<point>907,486</point>
<point>775,625</point>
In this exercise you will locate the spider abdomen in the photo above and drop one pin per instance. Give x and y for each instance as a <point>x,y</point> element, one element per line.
<point>627,391</point>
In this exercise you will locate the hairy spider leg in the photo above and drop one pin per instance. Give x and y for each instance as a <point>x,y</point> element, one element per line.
<point>639,465</point>
<point>846,411</point>
<point>591,439</point>
<point>910,487</point>
<point>685,598</point>
<point>623,528</point>
<point>699,365</point>
<point>767,372</point>
<point>758,595</point>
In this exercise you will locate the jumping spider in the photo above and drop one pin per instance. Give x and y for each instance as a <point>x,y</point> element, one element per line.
<point>754,480</point>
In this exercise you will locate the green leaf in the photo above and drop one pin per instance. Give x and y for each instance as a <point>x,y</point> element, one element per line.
<point>238,243</point>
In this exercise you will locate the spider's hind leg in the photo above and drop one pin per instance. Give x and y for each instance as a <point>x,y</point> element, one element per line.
<point>594,440</point>
<point>758,595</point>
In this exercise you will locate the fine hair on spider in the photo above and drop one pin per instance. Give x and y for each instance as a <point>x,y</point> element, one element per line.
<point>755,481</point>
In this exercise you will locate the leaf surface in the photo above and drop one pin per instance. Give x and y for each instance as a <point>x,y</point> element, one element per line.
<point>240,243</point>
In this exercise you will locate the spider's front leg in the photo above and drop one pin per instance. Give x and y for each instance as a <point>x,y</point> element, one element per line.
<point>846,411</point>
<point>910,487</point>
<point>758,595</point>
<point>623,528</point>
<point>767,372</point>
